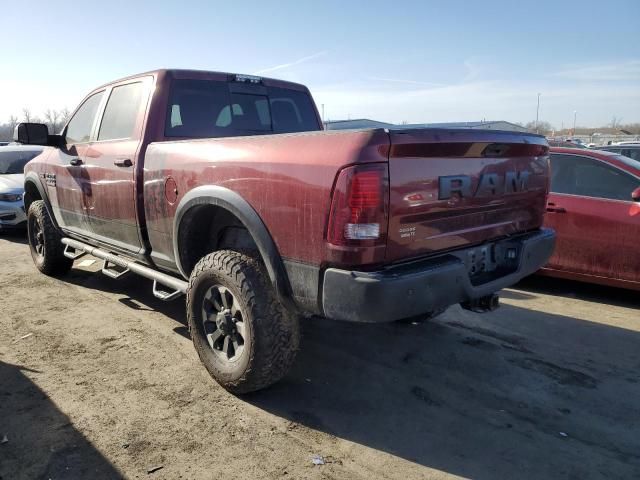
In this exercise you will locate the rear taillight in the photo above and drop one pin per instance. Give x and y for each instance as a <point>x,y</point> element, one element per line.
<point>359,206</point>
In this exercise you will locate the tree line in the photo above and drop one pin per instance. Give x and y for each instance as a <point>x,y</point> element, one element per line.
<point>615,127</point>
<point>53,119</point>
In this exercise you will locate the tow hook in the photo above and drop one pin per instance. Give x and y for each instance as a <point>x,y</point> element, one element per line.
<point>484,304</point>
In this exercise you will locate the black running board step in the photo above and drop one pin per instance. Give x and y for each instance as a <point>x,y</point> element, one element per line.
<point>177,285</point>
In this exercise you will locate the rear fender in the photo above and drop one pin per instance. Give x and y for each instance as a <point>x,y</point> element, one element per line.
<point>238,206</point>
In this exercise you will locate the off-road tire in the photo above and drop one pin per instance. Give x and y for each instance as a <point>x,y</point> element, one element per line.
<point>42,234</point>
<point>273,333</point>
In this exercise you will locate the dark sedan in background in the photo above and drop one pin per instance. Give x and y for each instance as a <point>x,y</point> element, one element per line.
<point>594,206</point>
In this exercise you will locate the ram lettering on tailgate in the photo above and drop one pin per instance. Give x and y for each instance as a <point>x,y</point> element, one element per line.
<point>490,184</point>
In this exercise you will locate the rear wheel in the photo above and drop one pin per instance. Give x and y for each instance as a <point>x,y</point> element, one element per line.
<point>245,338</point>
<point>47,250</point>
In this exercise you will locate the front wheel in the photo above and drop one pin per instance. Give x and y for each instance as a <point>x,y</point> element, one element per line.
<point>243,335</point>
<point>45,243</point>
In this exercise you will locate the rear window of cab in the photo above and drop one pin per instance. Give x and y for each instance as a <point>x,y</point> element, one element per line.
<point>210,108</point>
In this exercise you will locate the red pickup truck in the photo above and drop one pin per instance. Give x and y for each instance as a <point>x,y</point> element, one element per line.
<point>225,187</point>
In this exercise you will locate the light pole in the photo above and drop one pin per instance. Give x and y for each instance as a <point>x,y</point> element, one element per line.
<point>575,113</point>
<point>537,112</point>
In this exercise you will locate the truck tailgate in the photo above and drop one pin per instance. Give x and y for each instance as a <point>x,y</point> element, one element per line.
<point>453,188</point>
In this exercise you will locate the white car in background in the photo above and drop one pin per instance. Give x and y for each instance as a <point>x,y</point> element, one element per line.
<point>13,158</point>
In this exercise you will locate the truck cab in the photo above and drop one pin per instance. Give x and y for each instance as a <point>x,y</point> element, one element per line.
<point>99,165</point>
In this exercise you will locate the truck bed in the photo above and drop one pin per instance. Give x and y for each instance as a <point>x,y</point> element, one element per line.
<point>288,180</point>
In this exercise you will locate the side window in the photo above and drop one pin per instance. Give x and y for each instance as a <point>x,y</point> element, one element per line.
<point>121,112</point>
<point>576,175</point>
<point>79,128</point>
<point>631,153</point>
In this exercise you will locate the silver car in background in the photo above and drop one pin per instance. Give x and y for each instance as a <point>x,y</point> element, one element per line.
<point>631,150</point>
<point>13,158</point>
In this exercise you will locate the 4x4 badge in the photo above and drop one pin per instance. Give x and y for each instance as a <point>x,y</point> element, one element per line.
<point>49,179</point>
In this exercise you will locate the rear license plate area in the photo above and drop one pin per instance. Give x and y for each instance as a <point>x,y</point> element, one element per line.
<point>481,260</point>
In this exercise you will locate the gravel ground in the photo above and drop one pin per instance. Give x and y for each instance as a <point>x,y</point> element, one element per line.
<point>98,379</point>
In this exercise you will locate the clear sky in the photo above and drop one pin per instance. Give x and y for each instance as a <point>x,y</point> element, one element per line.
<point>415,61</point>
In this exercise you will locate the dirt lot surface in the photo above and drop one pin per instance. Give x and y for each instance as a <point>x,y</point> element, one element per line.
<point>99,380</point>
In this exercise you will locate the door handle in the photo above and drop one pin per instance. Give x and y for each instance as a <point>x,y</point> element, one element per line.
<point>123,162</point>
<point>551,207</point>
<point>75,162</point>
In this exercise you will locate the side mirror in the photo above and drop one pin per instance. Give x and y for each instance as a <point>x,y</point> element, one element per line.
<point>635,195</point>
<point>31,134</point>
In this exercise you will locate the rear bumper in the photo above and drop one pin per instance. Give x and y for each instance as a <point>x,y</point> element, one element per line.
<point>408,290</point>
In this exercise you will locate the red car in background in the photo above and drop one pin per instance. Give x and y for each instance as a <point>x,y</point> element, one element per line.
<point>594,207</point>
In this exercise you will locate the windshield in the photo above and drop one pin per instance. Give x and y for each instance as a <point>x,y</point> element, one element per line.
<point>208,108</point>
<point>14,161</point>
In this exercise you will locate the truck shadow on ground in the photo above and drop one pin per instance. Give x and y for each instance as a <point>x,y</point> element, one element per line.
<point>516,393</point>
<point>538,284</point>
<point>15,236</point>
<point>134,292</point>
<point>475,397</point>
<point>41,441</point>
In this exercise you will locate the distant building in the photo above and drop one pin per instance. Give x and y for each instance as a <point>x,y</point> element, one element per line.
<point>486,125</point>
<point>355,124</point>
<point>366,123</point>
